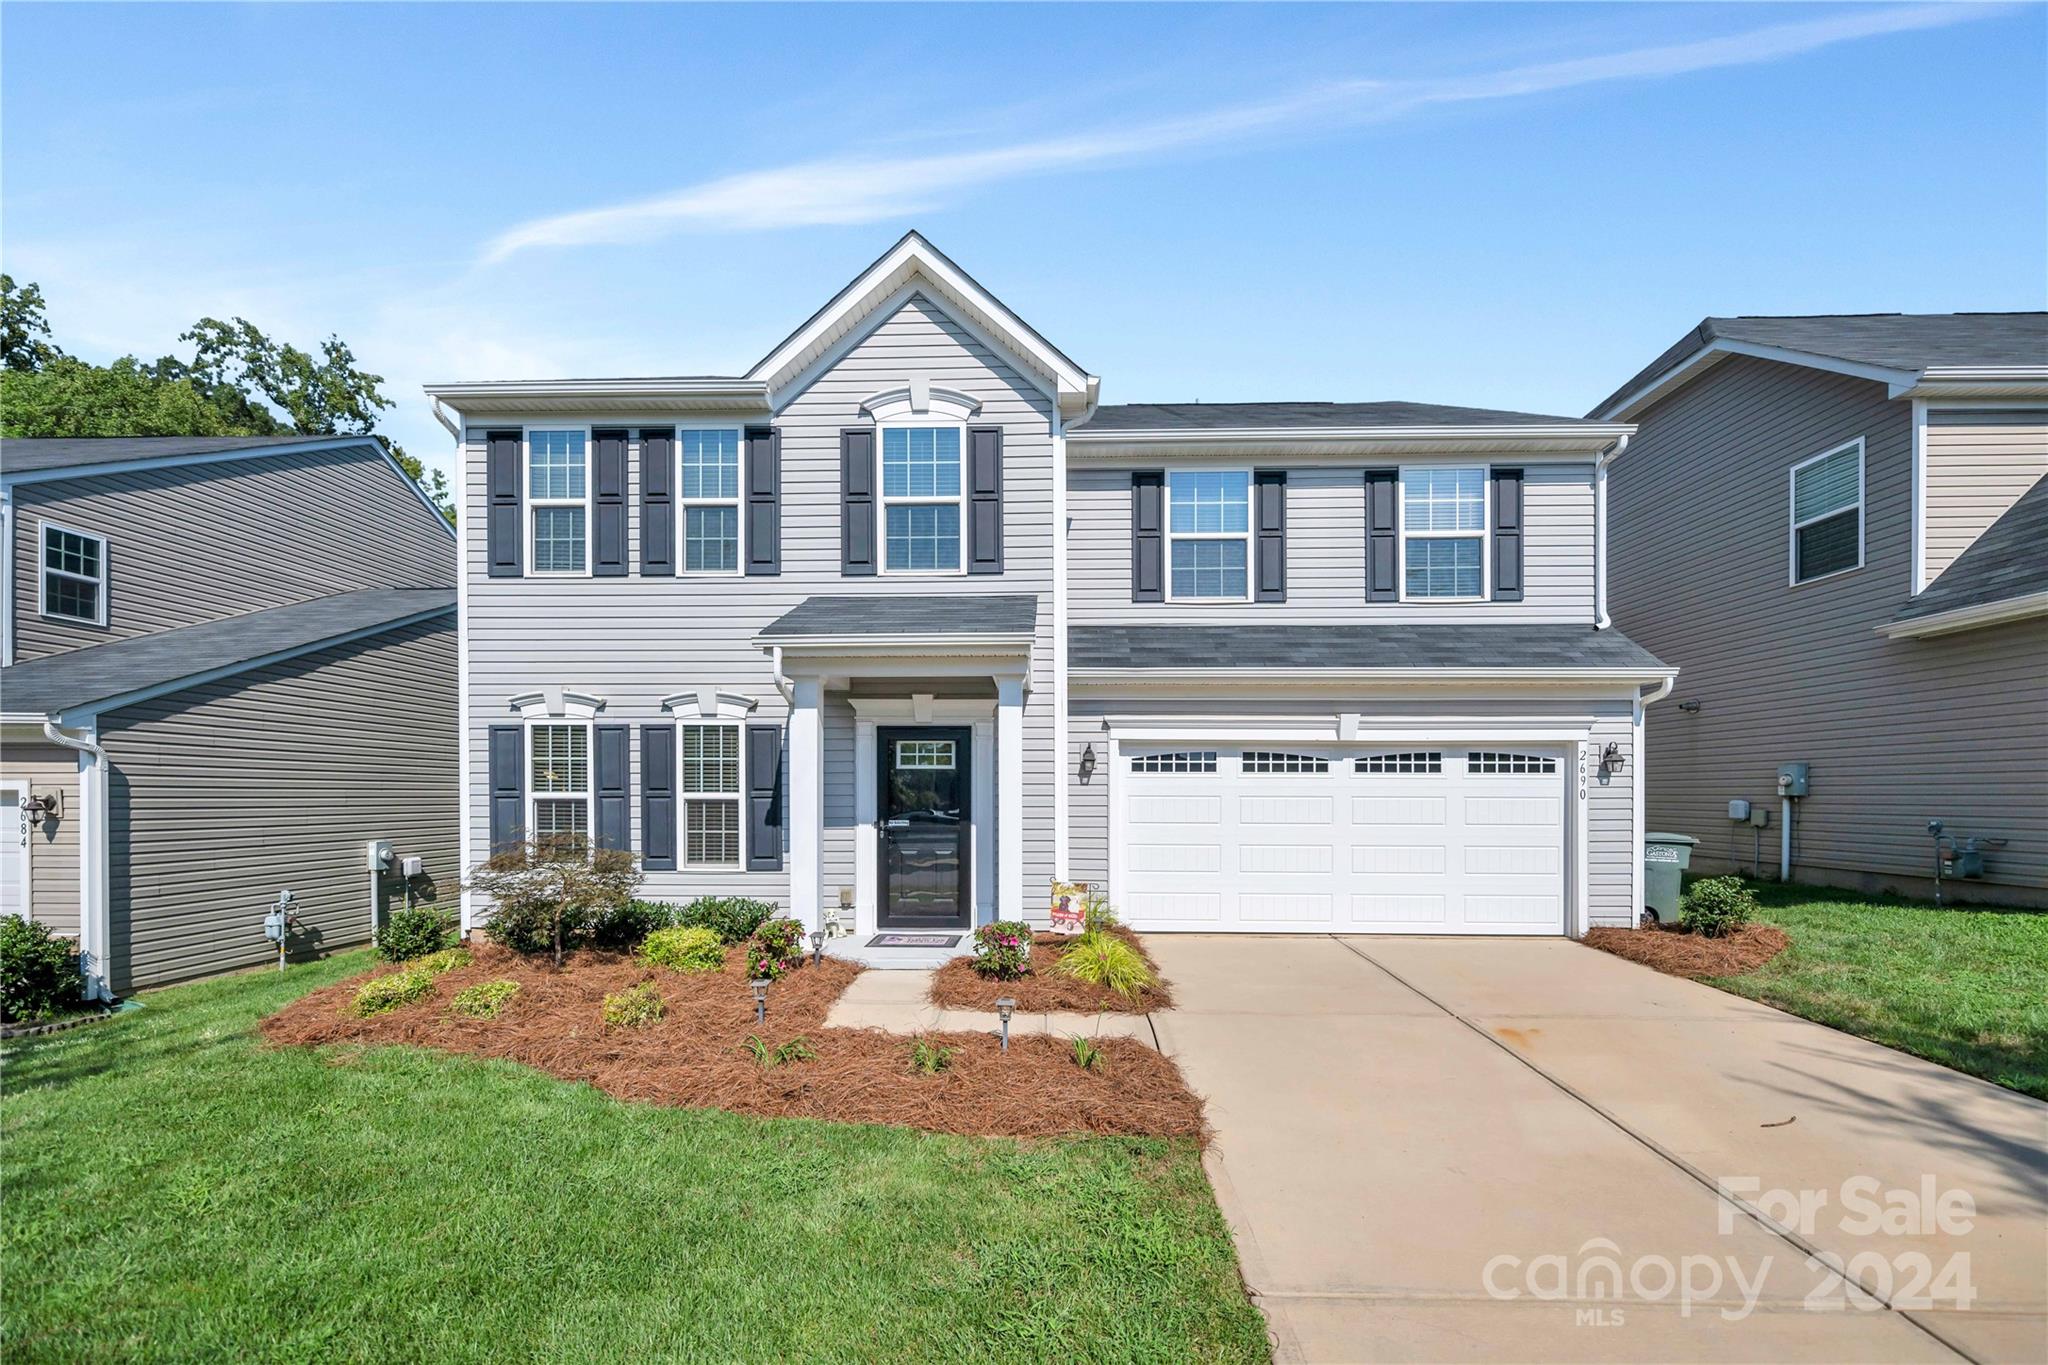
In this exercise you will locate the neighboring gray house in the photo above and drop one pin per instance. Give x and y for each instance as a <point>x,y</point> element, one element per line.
<point>1838,527</point>
<point>901,626</point>
<point>226,663</point>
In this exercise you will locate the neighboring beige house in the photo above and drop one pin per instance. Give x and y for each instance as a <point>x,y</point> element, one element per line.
<point>1837,528</point>
<point>226,664</point>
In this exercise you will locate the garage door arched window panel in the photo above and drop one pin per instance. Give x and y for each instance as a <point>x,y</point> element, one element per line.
<point>1279,761</point>
<point>1413,761</point>
<point>1180,761</point>
<point>1827,513</point>
<point>1492,762</point>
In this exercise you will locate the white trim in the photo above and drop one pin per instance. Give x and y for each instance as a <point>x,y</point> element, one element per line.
<point>1062,838</point>
<point>6,576</point>
<point>18,790</point>
<point>917,401</point>
<point>464,763</point>
<point>1968,618</point>
<point>534,796</point>
<point>1916,574</point>
<point>1719,349</point>
<point>1326,677</point>
<point>1579,916</point>
<point>737,502</point>
<point>557,703</point>
<point>1247,537</point>
<point>531,504</point>
<point>510,397</point>
<point>1009,798</point>
<point>95,919</point>
<point>737,798</point>
<point>1545,443</point>
<point>806,800</point>
<point>871,713</point>
<point>706,704</point>
<point>883,500</point>
<point>43,571</point>
<point>1794,525</point>
<point>1484,534</point>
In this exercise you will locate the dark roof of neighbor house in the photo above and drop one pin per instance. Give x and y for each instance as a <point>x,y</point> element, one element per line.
<point>1893,341</point>
<point>960,613</point>
<point>33,455</point>
<point>119,668</point>
<point>1353,646</point>
<point>1273,416</point>
<point>2009,560</point>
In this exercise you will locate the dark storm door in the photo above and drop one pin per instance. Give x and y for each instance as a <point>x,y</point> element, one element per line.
<point>924,810</point>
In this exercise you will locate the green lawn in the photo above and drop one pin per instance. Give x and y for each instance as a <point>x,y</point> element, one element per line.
<point>1964,987</point>
<point>175,1191</point>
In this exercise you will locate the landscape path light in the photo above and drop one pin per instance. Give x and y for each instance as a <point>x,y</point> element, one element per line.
<point>1003,1008</point>
<point>817,946</point>
<point>761,1000</point>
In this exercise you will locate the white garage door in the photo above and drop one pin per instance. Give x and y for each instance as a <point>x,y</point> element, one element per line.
<point>1344,839</point>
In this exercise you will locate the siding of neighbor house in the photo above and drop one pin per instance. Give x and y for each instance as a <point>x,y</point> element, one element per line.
<point>198,542</point>
<point>225,793</point>
<point>634,640</point>
<point>1898,732</point>
<point>1326,549</point>
<point>53,844</point>
<point>1610,797</point>
<point>1979,463</point>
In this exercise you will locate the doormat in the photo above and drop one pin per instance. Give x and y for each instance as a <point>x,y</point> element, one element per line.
<point>913,940</point>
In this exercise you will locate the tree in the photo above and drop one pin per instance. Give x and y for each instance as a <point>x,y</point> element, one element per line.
<point>550,893</point>
<point>237,383</point>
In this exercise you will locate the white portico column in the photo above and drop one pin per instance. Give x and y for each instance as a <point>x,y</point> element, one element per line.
<point>806,799</point>
<point>1010,798</point>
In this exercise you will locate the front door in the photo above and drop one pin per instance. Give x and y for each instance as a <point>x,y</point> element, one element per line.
<point>924,810</point>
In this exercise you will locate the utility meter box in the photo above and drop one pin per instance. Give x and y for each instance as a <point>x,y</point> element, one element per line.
<point>411,867</point>
<point>378,853</point>
<point>1792,779</point>
<point>1738,810</point>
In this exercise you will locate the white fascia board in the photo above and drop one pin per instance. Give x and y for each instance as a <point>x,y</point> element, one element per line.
<point>1696,364</point>
<point>497,398</point>
<point>2009,382</point>
<point>1349,677</point>
<point>794,646</point>
<point>1337,444</point>
<point>1968,618</point>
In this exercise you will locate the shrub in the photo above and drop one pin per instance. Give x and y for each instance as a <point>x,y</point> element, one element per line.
<point>683,950</point>
<point>388,993</point>
<point>1096,915</point>
<point>1103,959</point>
<point>38,972</point>
<point>1717,906</point>
<point>413,932</point>
<point>486,999</point>
<point>626,927</point>
<point>776,947</point>
<point>928,1057</point>
<point>1002,951</point>
<point>551,895</point>
<point>635,1007</point>
<point>447,960</point>
<point>797,1049</point>
<point>1087,1054</point>
<point>733,918</point>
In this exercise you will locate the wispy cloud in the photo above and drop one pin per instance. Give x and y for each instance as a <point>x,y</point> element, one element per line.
<point>854,188</point>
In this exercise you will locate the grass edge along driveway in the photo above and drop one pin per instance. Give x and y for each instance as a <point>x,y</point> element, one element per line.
<point>177,1191</point>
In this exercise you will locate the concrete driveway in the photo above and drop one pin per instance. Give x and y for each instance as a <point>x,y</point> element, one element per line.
<point>1435,1149</point>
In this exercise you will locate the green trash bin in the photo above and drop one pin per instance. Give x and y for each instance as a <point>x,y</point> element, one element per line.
<point>1665,859</point>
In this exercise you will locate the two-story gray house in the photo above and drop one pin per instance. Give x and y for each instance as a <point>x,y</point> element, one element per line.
<point>227,664</point>
<point>1838,527</point>
<point>901,625</point>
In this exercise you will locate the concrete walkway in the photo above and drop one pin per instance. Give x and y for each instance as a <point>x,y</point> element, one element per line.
<point>900,1002</point>
<point>1400,1119</point>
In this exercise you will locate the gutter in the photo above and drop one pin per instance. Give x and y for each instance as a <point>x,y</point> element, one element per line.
<point>95,928</point>
<point>1225,677</point>
<point>1607,457</point>
<point>1967,618</point>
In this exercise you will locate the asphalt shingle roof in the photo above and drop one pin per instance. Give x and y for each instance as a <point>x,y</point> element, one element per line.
<point>32,455</point>
<point>1256,416</point>
<point>960,613</point>
<point>1354,646</point>
<point>80,677</point>
<point>2009,560</point>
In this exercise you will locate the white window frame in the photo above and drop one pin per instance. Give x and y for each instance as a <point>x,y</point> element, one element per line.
<point>883,502</point>
<point>43,572</point>
<point>737,502</point>
<point>738,799</point>
<point>534,796</point>
<point>1484,533</point>
<point>1251,522</point>
<point>1794,525</point>
<point>588,502</point>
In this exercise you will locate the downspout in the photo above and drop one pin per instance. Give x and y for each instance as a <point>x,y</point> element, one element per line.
<point>780,679</point>
<point>94,922</point>
<point>441,416</point>
<point>1613,453</point>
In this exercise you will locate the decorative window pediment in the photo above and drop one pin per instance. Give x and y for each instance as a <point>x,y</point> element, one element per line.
<point>708,703</point>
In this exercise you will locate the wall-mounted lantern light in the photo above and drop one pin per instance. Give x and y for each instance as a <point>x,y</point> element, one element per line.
<point>1004,1007</point>
<point>1087,763</point>
<point>1610,758</point>
<point>1691,706</point>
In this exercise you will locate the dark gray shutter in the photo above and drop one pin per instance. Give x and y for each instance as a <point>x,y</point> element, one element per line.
<point>1382,535</point>
<point>1507,535</point>
<point>1148,535</point>
<point>658,502</point>
<point>508,786</point>
<point>985,500</point>
<point>1271,534</point>
<point>857,502</point>
<point>608,509</point>
<point>658,798</point>
<point>613,775</point>
<point>764,501</point>
<point>503,531</point>
<point>764,798</point>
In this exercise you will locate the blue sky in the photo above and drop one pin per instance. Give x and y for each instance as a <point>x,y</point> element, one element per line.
<point>1510,206</point>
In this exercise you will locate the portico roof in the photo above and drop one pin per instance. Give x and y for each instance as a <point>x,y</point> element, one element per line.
<point>886,622</point>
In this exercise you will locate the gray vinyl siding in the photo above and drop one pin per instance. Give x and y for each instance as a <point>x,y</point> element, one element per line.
<point>53,844</point>
<point>1326,552</point>
<point>194,543</point>
<point>635,640</point>
<point>1898,731</point>
<point>1979,463</point>
<point>1610,797</point>
<point>223,794</point>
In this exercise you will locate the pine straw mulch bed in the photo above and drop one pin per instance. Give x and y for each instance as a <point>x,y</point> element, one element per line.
<point>1681,954</point>
<point>957,986</point>
<point>697,1055</point>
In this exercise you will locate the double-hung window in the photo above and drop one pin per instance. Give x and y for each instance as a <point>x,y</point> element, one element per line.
<point>557,493</point>
<point>921,494</point>
<point>711,795</point>
<point>560,782</point>
<point>74,576</point>
<point>1208,533</point>
<point>711,501</point>
<point>1443,533</point>
<point>1827,513</point>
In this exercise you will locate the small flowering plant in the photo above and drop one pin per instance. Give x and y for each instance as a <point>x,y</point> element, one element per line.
<point>776,947</point>
<point>1002,951</point>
